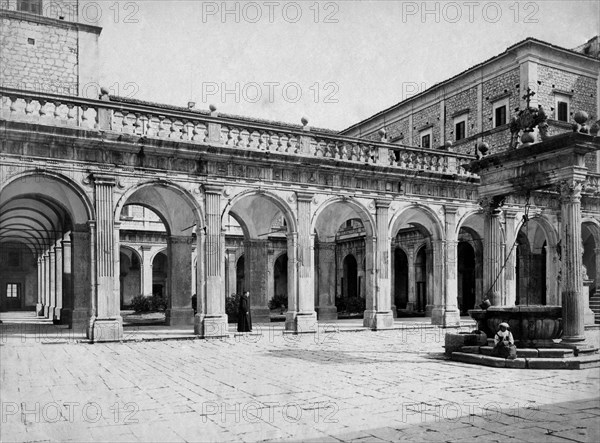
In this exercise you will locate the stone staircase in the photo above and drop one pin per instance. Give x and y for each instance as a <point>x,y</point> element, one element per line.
<point>595,306</point>
<point>529,358</point>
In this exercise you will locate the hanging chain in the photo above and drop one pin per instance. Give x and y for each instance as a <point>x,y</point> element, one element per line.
<point>525,221</point>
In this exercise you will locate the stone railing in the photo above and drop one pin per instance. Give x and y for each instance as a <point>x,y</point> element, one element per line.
<point>190,126</point>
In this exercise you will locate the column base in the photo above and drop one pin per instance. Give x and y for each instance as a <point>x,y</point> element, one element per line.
<point>260,314</point>
<point>326,313</point>
<point>410,306</point>
<point>301,322</point>
<point>39,309</point>
<point>56,316</point>
<point>47,310</point>
<point>107,329</point>
<point>377,320</point>
<point>213,326</point>
<point>445,317</point>
<point>580,347</point>
<point>179,317</point>
<point>394,311</point>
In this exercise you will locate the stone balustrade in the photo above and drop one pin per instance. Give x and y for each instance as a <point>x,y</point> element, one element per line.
<point>193,126</point>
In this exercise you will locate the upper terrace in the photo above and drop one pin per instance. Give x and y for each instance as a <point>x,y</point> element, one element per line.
<point>165,128</point>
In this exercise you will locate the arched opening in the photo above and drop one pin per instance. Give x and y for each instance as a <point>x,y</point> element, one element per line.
<point>532,264</point>
<point>350,277</point>
<point>161,216</point>
<point>43,225</point>
<point>421,279</point>
<point>280,280</point>
<point>258,224</point>
<point>417,231</point>
<point>129,276</point>
<point>345,257</point>
<point>466,277</point>
<point>590,246</point>
<point>160,275</point>
<point>239,272</point>
<point>400,284</point>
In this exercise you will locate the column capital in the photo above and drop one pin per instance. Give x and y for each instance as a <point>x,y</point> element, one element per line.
<point>570,190</point>
<point>304,196</point>
<point>451,209</point>
<point>383,203</point>
<point>491,205</point>
<point>213,188</point>
<point>103,179</point>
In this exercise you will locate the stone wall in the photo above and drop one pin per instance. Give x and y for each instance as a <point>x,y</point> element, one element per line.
<point>583,88</point>
<point>38,57</point>
<point>464,100</point>
<point>423,119</point>
<point>496,88</point>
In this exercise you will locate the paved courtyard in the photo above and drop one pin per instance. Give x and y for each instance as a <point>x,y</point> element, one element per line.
<point>350,386</point>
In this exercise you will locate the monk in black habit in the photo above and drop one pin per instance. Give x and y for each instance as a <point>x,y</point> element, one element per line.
<point>244,317</point>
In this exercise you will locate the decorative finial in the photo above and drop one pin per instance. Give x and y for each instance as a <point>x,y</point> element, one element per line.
<point>382,134</point>
<point>213,110</point>
<point>580,118</point>
<point>191,105</point>
<point>304,122</point>
<point>528,95</point>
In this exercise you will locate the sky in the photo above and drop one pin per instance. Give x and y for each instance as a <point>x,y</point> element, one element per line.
<point>332,62</point>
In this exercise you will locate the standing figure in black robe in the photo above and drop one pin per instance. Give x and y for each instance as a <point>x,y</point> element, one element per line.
<point>244,317</point>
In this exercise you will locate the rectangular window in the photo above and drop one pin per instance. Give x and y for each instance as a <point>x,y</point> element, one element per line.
<point>12,290</point>
<point>426,141</point>
<point>562,112</point>
<point>459,130</point>
<point>500,116</point>
<point>31,6</point>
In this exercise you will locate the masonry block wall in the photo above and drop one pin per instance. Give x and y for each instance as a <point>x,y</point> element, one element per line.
<point>47,50</point>
<point>473,95</point>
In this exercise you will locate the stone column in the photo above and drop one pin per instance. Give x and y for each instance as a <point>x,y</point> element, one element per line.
<point>411,305</point>
<point>450,315</point>
<point>256,273</point>
<point>82,259</point>
<point>292,286</point>
<point>597,251</point>
<point>326,309</point>
<point>381,317</point>
<point>492,251</point>
<point>108,324</point>
<point>146,273</point>
<point>39,307</point>
<point>212,321</point>
<point>180,312</point>
<point>572,278</point>
<point>49,311</point>
<point>66,314</point>
<point>439,281</point>
<point>393,306</point>
<point>510,281</point>
<point>58,250</point>
<point>231,274</point>
<point>305,318</point>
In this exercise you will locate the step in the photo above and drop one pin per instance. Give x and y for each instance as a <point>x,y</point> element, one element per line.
<point>583,362</point>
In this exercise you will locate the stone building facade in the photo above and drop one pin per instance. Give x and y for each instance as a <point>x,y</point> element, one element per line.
<point>266,206</point>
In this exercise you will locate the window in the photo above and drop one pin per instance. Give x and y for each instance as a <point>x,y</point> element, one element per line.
<point>459,130</point>
<point>500,111</point>
<point>500,116</point>
<point>562,111</point>
<point>12,290</point>
<point>426,141</point>
<point>31,6</point>
<point>562,105</point>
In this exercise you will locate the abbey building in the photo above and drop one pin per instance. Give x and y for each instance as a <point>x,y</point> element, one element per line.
<point>105,200</point>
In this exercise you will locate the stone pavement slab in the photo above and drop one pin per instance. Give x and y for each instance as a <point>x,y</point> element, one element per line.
<point>353,386</point>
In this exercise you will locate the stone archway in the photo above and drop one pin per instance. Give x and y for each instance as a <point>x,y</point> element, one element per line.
<point>335,222</point>
<point>45,239</point>
<point>264,219</point>
<point>400,287</point>
<point>411,227</point>
<point>130,275</point>
<point>182,220</point>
